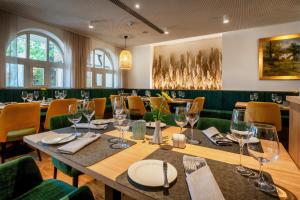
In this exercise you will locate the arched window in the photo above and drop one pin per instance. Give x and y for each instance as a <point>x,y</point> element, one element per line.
<point>100,71</point>
<point>34,59</point>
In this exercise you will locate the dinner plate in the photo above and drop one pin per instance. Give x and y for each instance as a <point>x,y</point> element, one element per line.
<point>150,173</point>
<point>58,138</point>
<point>251,140</point>
<point>152,124</point>
<point>102,121</point>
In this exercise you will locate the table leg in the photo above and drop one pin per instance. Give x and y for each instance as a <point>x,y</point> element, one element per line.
<point>111,193</point>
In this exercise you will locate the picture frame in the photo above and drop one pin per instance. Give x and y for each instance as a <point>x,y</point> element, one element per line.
<point>279,57</point>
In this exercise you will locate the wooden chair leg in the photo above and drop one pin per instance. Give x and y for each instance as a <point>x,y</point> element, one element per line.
<point>39,154</point>
<point>55,173</point>
<point>75,181</point>
<point>3,152</point>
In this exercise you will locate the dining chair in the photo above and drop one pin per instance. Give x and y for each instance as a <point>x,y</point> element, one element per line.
<point>223,125</point>
<point>17,121</point>
<point>264,112</point>
<point>136,105</point>
<point>198,104</point>
<point>157,102</point>
<point>58,122</point>
<point>21,179</point>
<point>58,107</point>
<point>100,104</point>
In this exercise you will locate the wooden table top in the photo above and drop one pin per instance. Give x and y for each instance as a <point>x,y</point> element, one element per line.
<point>284,171</point>
<point>244,105</point>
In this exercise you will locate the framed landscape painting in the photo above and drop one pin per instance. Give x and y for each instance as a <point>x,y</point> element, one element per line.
<point>279,57</point>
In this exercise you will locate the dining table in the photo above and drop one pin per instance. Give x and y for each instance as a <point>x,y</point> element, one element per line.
<point>112,168</point>
<point>244,105</point>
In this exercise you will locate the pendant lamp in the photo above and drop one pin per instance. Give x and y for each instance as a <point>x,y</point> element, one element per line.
<point>125,58</point>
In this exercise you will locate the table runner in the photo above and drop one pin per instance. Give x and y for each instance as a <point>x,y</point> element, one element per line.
<point>232,185</point>
<point>92,153</point>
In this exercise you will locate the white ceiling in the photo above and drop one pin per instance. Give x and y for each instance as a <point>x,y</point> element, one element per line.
<point>183,18</point>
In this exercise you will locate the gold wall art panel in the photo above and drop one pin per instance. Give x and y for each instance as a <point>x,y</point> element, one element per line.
<point>181,67</point>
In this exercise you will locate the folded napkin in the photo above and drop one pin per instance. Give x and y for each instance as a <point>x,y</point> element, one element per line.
<point>92,126</point>
<point>201,182</point>
<point>78,144</point>
<point>216,137</point>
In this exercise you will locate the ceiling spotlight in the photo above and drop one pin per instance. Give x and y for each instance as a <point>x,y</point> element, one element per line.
<point>225,19</point>
<point>137,6</point>
<point>166,32</point>
<point>91,26</point>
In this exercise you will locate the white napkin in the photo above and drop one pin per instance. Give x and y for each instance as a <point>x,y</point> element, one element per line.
<point>92,126</point>
<point>78,144</point>
<point>216,137</point>
<point>202,184</point>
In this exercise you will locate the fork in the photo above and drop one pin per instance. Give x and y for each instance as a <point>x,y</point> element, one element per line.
<point>165,168</point>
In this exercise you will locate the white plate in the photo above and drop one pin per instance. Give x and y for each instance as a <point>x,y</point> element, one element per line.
<point>102,121</point>
<point>150,173</point>
<point>251,140</point>
<point>58,138</point>
<point>152,124</point>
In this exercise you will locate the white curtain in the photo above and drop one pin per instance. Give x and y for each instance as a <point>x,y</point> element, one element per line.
<point>8,31</point>
<point>77,51</point>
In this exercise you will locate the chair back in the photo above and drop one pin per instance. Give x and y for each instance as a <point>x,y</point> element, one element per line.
<point>58,107</point>
<point>100,104</point>
<point>136,105</point>
<point>19,116</point>
<point>264,112</point>
<point>198,104</point>
<point>156,102</point>
<point>223,125</point>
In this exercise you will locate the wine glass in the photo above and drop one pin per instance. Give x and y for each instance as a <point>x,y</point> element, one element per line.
<point>89,111</point>
<point>56,94</point>
<point>63,94</point>
<point>118,111</point>
<point>182,94</point>
<point>24,95</point>
<point>279,99</point>
<point>173,94</point>
<point>75,116</point>
<point>252,97</point>
<point>29,97</point>
<point>122,123</point>
<point>148,93</point>
<point>36,95</point>
<point>87,95</point>
<point>240,131</point>
<point>274,97</point>
<point>265,151</point>
<point>192,116</point>
<point>255,95</point>
<point>180,117</point>
<point>133,93</point>
<point>82,93</point>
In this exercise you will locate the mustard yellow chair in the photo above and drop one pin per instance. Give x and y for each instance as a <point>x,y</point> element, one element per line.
<point>156,102</point>
<point>58,107</point>
<point>17,121</point>
<point>198,104</point>
<point>136,105</point>
<point>264,112</point>
<point>100,104</point>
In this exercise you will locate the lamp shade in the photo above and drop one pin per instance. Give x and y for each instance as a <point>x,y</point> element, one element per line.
<point>125,60</point>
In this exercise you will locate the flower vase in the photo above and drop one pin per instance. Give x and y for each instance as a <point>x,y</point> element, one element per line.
<point>157,136</point>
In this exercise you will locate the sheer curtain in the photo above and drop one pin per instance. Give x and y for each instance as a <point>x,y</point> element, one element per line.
<point>8,31</point>
<point>77,50</point>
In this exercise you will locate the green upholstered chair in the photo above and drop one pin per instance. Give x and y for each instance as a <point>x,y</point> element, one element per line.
<point>21,179</point>
<point>57,123</point>
<point>168,118</point>
<point>223,125</point>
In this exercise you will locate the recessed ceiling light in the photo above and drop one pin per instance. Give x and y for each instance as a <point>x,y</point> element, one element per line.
<point>225,19</point>
<point>91,26</point>
<point>166,32</point>
<point>137,6</point>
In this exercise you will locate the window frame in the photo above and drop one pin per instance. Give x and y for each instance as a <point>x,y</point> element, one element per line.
<point>92,68</point>
<point>29,64</point>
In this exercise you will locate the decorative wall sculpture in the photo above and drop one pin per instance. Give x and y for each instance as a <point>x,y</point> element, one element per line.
<point>200,69</point>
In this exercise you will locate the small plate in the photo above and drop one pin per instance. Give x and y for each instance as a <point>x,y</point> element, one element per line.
<point>58,138</point>
<point>102,121</point>
<point>150,173</point>
<point>251,140</point>
<point>152,124</point>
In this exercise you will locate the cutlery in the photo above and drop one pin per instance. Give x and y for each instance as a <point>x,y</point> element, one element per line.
<point>64,138</point>
<point>165,168</point>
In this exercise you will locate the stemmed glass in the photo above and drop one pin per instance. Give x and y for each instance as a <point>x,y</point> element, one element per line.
<point>56,94</point>
<point>89,111</point>
<point>252,97</point>
<point>24,95</point>
<point>192,116</point>
<point>265,151</point>
<point>133,93</point>
<point>180,117</point>
<point>82,94</point>
<point>29,97</point>
<point>122,123</point>
<point>87,95</point>
<point>240,130</point>
<point>173,94</point>
<point>274,97</point>
<point>118,110</point>
<point>278,99</point>
<point>255,95</point>
<point>36,95</point>
<point>148,93</point>
<point>63,94</point>
<point>75,116</point>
